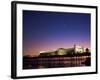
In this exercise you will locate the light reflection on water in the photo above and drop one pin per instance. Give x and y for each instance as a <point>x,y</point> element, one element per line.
<point>57,62</point>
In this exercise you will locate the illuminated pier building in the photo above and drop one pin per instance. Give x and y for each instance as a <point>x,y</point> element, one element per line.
<point>64,51</point>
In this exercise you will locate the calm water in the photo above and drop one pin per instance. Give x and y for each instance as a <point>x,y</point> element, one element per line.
<point>35,63</point>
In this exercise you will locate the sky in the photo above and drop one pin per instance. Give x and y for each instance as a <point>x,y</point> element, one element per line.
<point>43,31</point>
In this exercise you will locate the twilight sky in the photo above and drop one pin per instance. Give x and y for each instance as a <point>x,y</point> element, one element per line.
<point>44,31</point>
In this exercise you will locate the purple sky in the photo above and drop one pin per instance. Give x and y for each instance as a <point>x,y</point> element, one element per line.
<point>51,30</point>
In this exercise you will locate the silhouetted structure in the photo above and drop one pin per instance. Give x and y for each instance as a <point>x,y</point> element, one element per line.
<point>70,57</point>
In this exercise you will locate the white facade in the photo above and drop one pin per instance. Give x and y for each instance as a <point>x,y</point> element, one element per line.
<point>63,51</point>
<point>78,49</point>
